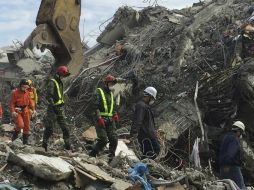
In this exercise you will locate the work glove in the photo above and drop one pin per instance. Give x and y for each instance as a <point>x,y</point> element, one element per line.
<point>14,114</point>
<point>116,117</point>
<point>101,122</point>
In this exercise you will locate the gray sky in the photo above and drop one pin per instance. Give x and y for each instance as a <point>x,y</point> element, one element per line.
<point>17,18</point>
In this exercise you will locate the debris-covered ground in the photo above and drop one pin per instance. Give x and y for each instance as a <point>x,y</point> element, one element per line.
<point>170,50</point>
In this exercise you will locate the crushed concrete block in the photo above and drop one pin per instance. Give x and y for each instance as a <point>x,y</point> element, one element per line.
<point>7,128</point>
<point>28,65</point>
<point>124,151</point>
<point>119,185</point>
<point>47,168</point>
<point>96,172</point>
<point>90,134</point>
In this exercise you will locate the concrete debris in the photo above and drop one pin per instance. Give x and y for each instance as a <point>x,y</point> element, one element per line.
<point>123,151</point>
<point>96,172</point>
<point>7,128</point>
<point>47,168</point>
<point>119,185</point>
<point>168,49</point>
<point>90,134</point>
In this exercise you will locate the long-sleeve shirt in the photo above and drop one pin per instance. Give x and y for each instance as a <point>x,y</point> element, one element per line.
<point>143,121</point>
<point>51,93</point>
<point>20,99</point>
<point>99,102</point>
<point>230,150</point>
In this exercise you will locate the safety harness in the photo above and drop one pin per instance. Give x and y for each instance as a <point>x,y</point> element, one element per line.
<point>60,96</point>
<point>106,112</point>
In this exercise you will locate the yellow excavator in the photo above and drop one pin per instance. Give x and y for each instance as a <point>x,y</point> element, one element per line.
<point>58,30</point>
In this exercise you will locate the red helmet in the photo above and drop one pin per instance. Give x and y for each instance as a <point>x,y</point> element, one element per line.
<point>63,71</point>
<point>109,78</point>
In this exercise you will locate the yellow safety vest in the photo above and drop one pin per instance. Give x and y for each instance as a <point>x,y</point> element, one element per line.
<point>106,112</point>
<point>60,96</point>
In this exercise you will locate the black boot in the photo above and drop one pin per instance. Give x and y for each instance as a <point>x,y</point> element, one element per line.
<point>15,135</point>
<point>25,139</point>
<point>45,146</point>
<point>93,153</point>
<point>67,146</point>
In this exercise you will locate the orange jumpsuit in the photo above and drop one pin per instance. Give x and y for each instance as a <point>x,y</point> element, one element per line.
<point>20,103</point>
<point>34,98</point>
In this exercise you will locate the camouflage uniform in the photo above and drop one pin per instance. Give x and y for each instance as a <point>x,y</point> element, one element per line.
<point>55,113</point>
<point>109,132</point>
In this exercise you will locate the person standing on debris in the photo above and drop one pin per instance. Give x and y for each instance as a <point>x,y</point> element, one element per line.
<point>55,110</point>
<point>33,95</point>
<point>20,104</point>
<point>107,118</point>
<point>230,155</point>
<point>144,126</point>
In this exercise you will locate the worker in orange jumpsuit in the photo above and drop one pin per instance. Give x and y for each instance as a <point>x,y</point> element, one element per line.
<point>20,104</point>
<point>33,95</point>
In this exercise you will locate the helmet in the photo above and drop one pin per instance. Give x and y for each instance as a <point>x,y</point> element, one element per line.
<point>63,71</point>
<point>239,125</point>
<point>30,82</point>
<point>151,91</point>
<point>23,82</point>
<point>109,78</point>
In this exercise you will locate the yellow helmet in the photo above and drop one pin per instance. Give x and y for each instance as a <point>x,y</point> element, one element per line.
<point>30,82</point>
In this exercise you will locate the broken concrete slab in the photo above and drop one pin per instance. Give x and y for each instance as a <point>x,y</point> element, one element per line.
<point>96,172</point>
<point>28,65</point>
<point>120,184</point>
<point>47,168</point>
<point>7,128</point>
<point>90,134</point>
<point>123,151</point>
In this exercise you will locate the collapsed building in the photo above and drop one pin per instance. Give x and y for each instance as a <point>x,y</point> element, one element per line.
<point>170,50</point>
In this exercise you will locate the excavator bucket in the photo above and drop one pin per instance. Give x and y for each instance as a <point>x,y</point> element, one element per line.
<point>58,30</point>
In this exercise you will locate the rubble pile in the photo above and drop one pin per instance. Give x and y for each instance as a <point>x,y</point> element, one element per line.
<point>170,50</point>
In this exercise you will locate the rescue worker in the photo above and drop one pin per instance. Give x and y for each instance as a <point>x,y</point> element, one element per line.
<point>20,104</point>
<point>107,118</point>
<point>33,95</point>
<point>245,42</point>
<point>55,110</point>
<point>144,126</point>
<point>230,155</point>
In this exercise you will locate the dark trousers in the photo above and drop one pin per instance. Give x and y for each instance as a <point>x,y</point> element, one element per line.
<point>234,173</point>
<point>150,147</point>
<point>106,134</point>
<point>55,114</point>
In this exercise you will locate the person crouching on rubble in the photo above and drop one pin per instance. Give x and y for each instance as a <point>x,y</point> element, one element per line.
<point>20,104</point>
<point>55,111</point>
<point>107,118</point>
<point>144,126</point>
<point>230,155</point>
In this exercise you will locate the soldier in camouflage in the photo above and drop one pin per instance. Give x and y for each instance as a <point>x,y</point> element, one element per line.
<point>107,118</point>
<point>55,111</point>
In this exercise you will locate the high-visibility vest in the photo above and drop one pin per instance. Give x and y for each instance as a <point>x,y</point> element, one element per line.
<point>107,112</point>
<point>60,96</point>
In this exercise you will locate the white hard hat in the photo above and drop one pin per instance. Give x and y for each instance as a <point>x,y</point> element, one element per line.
<point>151,91</point>
<point>239,125</point>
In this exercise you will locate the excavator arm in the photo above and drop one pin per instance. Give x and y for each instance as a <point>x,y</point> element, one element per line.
<point>58,30</point>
